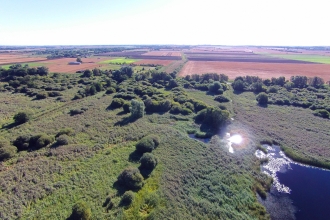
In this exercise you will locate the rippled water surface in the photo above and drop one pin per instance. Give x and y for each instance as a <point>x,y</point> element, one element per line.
<point>307,187</point>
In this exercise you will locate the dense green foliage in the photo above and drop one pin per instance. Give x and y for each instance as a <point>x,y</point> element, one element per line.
<point>128,198</point>
<point>148,161</point>
<point>22,117</point>
<point>81,211</point>
<point>99,152</point>
<point>262,98</point>
<point>299,91</point>
<point>6,150</point>
<point>147,144</point>
<point>137,109</point>
<point>131,178</point>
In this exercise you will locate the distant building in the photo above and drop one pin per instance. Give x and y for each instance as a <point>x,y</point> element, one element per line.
<point>74,63</point>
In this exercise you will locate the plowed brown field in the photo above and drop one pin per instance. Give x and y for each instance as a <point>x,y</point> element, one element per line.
<point>155,62</point>
<point>62,66</point>
<point>263,70</point>
<point>9,58</point>
<point>163,53</point>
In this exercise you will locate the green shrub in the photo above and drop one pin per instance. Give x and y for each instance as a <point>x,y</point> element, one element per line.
<point>272,89</point>
<point>54,94</point>
<point>262,98</point>
<point>81,211</point>
<point>126,107</point>
<point>221,98</point>
<point>77,96</point>
<point>148,161</point>
<point>222,107</point>
<point>188,105</point>
<point>76,111</point>
<point>6,150</point>
<point>42,95</point>
<point>186,111</point>
<point>117,103</point>
<point>212,117</point>
<point>147,144</point>
<point>216,87</point>
<point>127,198</point>
<point>22,142</point>
<point>137,109</point>
<point>40,141</point>
<point>62,140</point>
<point>22,117</point>
<point>199,105</point>
<point>176,108</point>
<point>238,85</point>
<point>321,113</point>
<point>67,131</point>
<point>110,90</point>
<point>131,178</point>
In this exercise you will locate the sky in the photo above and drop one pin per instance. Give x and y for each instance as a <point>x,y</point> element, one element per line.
<point>188,22</point>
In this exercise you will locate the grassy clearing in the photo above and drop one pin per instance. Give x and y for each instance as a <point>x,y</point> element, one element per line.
<point>119,60</point>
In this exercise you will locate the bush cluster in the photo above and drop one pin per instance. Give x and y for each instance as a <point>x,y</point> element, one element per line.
<point>131,178</point>
<point>148,161</point>
<point>26,142</point>
<point>147,144</point>
<point>6,150</point>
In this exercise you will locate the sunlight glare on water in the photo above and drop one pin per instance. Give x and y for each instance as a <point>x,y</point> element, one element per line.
<point>236,139</point>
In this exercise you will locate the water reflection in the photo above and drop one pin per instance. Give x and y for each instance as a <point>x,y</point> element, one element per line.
<point>235,139</point>
<point>306,186</point>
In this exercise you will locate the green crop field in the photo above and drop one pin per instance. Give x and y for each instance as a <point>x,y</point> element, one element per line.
<point>304,57</point>
<point>32,64</point>
<point>119,60</point>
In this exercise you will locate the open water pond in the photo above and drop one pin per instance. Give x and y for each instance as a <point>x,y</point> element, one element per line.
<point>307,187</point>
<point>205,140</point>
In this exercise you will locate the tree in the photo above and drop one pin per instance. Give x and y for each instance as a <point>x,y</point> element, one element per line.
<point>79,60</point>
<point>137,109</point>
<point>148,161</point>
<point>238,85</point>
<point>131,178</point>
<point>212,117</point>
<point>22,117</point>
<point>262,98</point>
<point>42,71</point>
<point>315,81</point>
<point>147,144</point>
<point>22,142</point>
<point>87,73</point>
<point>216,87</point>
<point>81,211</point>
<point>299,81</point>
<point>127,198</point>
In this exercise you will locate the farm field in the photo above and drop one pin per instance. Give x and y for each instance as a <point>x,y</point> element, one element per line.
<point>263,70</point>
<point>304,57</point>
<point>154,62</point>
<point>8,58</point>
<point>62,66</point>
<point>118,60</point>
<point>163,53</point>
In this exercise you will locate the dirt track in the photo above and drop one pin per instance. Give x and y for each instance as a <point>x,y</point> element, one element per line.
<point>263,70</point>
